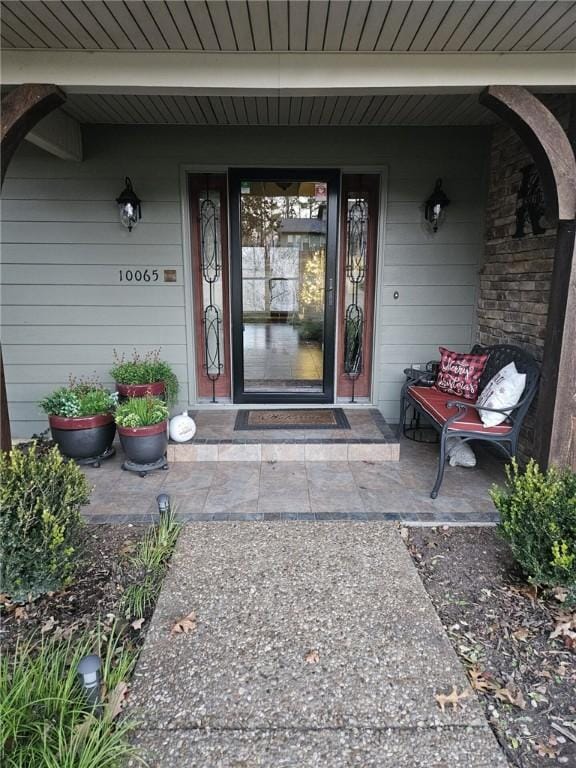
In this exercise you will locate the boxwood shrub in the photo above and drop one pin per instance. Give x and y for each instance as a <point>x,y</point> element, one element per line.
<point>40,499</point>
<point>538,519</point>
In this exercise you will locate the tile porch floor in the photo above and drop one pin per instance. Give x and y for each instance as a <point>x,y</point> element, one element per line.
<point>246,490</point>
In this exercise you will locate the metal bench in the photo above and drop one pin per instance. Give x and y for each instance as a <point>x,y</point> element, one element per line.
<point>460,418</point>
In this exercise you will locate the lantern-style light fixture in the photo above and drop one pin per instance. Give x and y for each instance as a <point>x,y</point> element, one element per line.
<point>129,205</point>
<point>435,206</point>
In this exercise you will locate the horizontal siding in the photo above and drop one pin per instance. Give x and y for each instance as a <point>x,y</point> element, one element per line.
<point>64,310</point>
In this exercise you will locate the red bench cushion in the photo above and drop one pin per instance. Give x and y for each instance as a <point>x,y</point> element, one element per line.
<point>434,403</point>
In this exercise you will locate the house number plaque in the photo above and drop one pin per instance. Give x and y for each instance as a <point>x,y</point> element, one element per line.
<point>146,275</point>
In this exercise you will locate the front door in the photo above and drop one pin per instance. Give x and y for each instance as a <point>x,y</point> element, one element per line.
<point>283,253</point>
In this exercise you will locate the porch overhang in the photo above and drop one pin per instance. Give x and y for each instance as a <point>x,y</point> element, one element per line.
<point>286,74</point>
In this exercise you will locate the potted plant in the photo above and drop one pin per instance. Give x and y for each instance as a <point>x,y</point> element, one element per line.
<point>82,421</point>
<point>143,428</point>
<point>145,375</point>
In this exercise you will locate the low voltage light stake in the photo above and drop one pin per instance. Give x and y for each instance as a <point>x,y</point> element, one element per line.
<point>163,501</point>
<point>91,678</point>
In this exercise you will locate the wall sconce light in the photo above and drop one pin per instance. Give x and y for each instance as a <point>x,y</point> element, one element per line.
<point>435,206</point>
<point>129,204</point>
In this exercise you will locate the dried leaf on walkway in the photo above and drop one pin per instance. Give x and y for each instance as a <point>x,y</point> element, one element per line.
<point>185,625</point>
<point>116,700</point>
<point>453,698</point>
<point>312,656</point>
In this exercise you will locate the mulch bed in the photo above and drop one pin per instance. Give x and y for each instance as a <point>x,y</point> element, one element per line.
<point>93,598</point>
<point>501,628</point>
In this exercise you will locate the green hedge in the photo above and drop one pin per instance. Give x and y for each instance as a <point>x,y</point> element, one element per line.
<point>40,500</point>
<point>538,519</point>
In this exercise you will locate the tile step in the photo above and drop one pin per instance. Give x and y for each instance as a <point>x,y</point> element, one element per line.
<point>301,451</point>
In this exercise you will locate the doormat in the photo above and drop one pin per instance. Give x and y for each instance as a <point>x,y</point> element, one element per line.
<point>307,418</point>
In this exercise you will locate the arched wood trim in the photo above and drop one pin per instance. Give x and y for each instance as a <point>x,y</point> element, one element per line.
<point>22,108</point>
<point>545,139</point>
<point>553,153</point>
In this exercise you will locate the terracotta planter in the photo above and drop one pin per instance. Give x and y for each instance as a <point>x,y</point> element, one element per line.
<point>83,437</point>
<point>141,390</point>
<point>144,445</point>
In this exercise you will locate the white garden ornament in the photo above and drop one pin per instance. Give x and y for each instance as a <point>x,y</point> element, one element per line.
<point>182,428</point>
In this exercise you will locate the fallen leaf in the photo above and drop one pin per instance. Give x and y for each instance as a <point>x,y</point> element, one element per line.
<point>479,682</point>
<point>506,695</point>
<point>545,750</point>
<point>137,623</point>
<point>48,626</point>
<point>20,613</point>
<point>565,627</point>
<point>312,656</point>
<point>560,594</point>
<point>526,590</point>
<point>521,634</point>
<point>185,625</point>
<point>115,702</point>
<point>453,698</point>
<point>4,599</point>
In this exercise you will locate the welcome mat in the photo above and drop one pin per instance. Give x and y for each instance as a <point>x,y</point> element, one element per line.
<point>306,418</point>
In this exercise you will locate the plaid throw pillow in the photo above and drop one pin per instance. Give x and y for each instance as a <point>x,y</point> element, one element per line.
<point>459,374</point>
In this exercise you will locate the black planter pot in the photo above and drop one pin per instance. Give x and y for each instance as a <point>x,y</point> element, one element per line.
<point>87,439</point>
<point>145,447</point>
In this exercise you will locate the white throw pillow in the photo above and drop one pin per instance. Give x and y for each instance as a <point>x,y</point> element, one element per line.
<point>460,453</point>
<point>503,390</point>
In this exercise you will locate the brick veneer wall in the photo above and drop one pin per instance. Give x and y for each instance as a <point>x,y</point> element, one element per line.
<point>515,279</point>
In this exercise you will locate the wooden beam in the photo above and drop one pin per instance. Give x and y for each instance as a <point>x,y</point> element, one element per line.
<point>22,108</point>
<point>288,74</point>
<point>553,153</point>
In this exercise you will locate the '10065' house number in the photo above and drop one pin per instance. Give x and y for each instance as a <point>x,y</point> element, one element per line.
<point>146,275</point>
<point>139,275</point>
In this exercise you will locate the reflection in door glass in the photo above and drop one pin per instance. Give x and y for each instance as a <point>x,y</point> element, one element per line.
<point>283,229</point>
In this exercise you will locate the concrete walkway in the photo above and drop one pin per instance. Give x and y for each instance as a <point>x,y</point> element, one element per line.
<point>239,691</point>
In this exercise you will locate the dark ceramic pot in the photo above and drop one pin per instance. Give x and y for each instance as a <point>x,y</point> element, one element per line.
<point>83,437</point>
<point>141,390</point>
<point>144,445</point>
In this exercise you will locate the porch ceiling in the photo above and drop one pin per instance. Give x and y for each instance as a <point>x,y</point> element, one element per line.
<point>291,25</point>
<point>420,109</point>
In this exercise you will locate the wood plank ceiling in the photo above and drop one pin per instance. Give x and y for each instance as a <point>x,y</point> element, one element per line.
<point>291,25</point>
<point>250,110</point>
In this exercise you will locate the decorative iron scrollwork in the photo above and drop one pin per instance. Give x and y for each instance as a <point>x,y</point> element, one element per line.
<point>355,271</point>
<point>211,269</point>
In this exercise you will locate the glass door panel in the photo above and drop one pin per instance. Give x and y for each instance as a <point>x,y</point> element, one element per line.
<point>285,309</point>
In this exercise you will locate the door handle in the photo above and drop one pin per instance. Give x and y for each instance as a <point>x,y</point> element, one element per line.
<point>331,292</point>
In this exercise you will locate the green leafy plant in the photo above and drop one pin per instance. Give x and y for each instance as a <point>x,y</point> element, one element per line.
<point>141,412</point>
<point>43,711</point>
<point>146,368</point>
<point>79,398</point>
<point>151,561</point>
<point>40,500</point>
<point>538,519</point>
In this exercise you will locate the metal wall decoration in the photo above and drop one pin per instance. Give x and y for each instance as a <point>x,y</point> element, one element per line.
<point>211,268</point>
<point>530,205</point>
<point>355,272</point>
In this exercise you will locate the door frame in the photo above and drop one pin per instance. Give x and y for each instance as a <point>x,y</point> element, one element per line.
<point>332,177</point>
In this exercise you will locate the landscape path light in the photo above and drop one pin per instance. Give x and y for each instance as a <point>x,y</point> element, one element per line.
<point>89,672</point>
